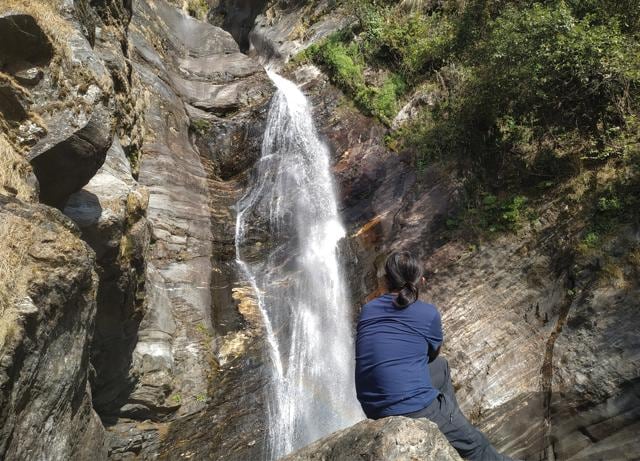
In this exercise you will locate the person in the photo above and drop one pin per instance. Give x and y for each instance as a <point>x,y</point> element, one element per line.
<point>398,369</point>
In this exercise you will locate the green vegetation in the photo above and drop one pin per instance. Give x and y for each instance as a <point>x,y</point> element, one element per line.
<point>200,126</point>
<point>198,8</point>
<point>527,97</point>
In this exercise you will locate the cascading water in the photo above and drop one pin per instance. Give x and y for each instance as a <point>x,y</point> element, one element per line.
<point>287,231</point>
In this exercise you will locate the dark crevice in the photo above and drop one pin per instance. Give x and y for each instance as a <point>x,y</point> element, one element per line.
<point>237,17</point>
<point>547,366</point>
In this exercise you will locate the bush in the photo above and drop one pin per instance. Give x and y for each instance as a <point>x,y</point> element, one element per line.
<point>384,101</point>
<point>544,65</point>
<point>414,44</point>
<point>341,63</point>
<point>543,89</point>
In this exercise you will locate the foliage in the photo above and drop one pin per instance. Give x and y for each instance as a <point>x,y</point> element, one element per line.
<point>345,64</point>
<point>495,215</point>
<point>525,95</point>
<point>412,43</point>
<point>200,126</point>
<point>198,8</point>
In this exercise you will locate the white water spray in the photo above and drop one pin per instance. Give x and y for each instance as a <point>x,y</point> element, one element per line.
<point>287,231</point>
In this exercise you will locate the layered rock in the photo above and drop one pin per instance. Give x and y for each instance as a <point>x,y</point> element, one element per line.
<point>173,357</point>
<point>110,212</point>
<point>395,438</point>
<point>55,111</point>
<point>534,331</point>
<point>46,326</point>
<point>66,120</point>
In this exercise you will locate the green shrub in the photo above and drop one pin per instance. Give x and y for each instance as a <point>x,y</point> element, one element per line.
<point>343,68</point>
<point>545,65</point>
<point>198,9</point>
<point>384,100</point>
<point>544,89</point>
<point>412,43</point>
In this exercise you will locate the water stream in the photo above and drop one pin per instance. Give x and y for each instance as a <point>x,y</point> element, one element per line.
<point>287,231</point>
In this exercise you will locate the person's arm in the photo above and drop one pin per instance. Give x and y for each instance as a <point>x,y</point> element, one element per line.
<point>435,338</point>
<point>434,353</point>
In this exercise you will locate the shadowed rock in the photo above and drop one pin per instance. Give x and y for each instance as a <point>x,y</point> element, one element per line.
<point>23,44</point>
<point>69,164</point>
<point>390,439</point>
<point>110,211</point>
<point>45,406</point>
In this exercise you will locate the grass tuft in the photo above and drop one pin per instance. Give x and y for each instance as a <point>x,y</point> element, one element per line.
<point>14,274</point>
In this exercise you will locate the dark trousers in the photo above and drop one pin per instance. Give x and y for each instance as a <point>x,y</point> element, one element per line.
<point>444,411</point>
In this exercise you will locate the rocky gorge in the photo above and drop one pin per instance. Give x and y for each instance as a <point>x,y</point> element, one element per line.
<point>127,331</point>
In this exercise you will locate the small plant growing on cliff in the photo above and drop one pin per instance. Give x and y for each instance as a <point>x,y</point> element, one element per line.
<point>197,8</point>
<point>200,126</point>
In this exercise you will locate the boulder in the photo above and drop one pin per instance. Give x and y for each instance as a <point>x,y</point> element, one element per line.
<point>390,439</point>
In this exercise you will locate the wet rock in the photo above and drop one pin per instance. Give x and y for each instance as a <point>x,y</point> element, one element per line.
<point>395,438</point>
<point>174,359</point>
<point>46,327</point>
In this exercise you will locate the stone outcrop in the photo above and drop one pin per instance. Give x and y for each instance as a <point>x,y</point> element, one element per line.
<point>142,124</point>
<point>285,28</point>
<point>392,439</point>
<point>71,95</point>
<point>110,212</point>
<point>46,324</point>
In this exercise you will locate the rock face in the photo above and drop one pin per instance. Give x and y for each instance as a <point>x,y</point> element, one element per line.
<point>45,332</point>
<point>110,212</point>
<point>142,124</point>
<point>71,96</point>
<point>201,65</point>
<point>534,331</point>
<point>392,439</point>
<point>287,27</point>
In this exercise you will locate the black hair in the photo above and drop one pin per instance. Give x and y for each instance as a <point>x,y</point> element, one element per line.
<point>403,272</point>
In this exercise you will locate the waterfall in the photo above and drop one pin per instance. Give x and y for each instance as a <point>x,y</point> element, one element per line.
<point>287,231</point>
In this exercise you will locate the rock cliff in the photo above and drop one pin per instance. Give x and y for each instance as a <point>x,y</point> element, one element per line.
<point>126,330</point>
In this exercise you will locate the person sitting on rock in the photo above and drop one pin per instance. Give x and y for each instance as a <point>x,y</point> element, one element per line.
<point>398,371</point>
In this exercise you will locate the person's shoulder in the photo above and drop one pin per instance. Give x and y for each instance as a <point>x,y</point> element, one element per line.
<point>370,305</point>
<point>425,308</point>
<point>378,301</point>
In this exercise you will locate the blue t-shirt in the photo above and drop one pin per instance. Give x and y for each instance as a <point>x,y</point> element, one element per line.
<point>392,373</point>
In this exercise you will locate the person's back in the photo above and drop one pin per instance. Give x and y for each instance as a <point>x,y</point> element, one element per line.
<point>392,376</point>
<point>398,371</point>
